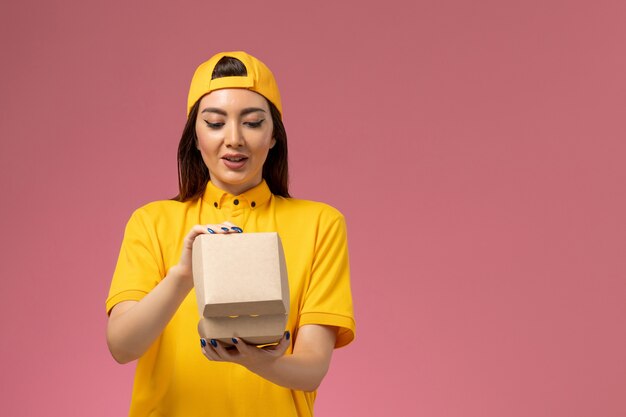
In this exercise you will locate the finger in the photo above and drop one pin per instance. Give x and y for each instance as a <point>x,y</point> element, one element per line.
<point>225,353</point>
<point>217,229</point>
<point>242,347</point>
<point>282,346</point>
<point>193,233</point>
<point>233,227</point>
<point>209,350</point>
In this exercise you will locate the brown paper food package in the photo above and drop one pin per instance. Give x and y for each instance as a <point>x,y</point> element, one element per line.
<point>241,286</point>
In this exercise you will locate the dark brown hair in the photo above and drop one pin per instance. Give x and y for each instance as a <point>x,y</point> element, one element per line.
<point>193,174</point>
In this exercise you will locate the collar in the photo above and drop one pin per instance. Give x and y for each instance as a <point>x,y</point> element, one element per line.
<point>253,198</point>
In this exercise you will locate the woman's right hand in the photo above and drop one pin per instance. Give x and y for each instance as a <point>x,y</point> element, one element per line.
<point>184,265</point>
<point>134,325</point>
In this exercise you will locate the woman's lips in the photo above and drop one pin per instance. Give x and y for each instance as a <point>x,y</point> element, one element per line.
<point>234,162</point>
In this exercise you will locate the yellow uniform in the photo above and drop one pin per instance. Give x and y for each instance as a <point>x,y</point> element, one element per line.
<point>173,378</point>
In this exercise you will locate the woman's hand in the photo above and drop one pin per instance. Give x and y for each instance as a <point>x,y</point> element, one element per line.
<point>184,264</point>
<point>303,369</point>
<point>243,353</point>
<point>134,325</point>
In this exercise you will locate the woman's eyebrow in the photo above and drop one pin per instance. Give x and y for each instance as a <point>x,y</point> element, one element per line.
<point>214,110</point>
<point>245,111</point>
<point>249,110</point>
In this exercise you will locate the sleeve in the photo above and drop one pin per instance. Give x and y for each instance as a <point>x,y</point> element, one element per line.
<point>328,300</point>
<point>139,266</point>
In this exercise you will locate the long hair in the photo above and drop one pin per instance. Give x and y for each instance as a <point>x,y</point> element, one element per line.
<point>193,175</point>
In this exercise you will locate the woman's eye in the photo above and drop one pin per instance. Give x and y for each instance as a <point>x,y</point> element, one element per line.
<point>214,125</point>
<point>254,124</point>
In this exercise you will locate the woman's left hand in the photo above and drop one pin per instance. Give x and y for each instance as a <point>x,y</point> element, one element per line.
<point>303,369</point>
<point>244,354</point>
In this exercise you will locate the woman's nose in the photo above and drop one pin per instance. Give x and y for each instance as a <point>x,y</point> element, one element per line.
<point>233,136</point>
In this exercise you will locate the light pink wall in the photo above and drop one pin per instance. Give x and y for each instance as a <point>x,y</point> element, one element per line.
<point>477,149</point>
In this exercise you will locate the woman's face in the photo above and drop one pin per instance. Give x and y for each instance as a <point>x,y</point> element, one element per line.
<point>234,129</point>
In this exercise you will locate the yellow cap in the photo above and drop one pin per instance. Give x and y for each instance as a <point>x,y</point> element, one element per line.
<point>259,79</point>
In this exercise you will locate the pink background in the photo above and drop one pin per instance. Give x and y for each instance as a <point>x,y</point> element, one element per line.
<point>477,149</point>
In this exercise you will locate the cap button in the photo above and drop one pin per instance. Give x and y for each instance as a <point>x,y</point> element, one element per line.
<point>253,204</point>
<point>236,202</point>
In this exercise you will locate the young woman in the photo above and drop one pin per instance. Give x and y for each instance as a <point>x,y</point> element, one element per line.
<point>233,178</point>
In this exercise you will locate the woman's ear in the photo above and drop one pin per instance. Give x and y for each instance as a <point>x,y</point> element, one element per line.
<point>273,142</point>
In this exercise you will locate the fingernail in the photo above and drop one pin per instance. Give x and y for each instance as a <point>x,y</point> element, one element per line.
<point>210,230</point>
<point>287,335</point>
<point>237,229</point>
<point>202,342</point>
<point>213,343</point>
<point>235,341</point>
<point>226,229</point>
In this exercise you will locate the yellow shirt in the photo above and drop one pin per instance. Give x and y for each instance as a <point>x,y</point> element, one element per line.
<point>173,378</point>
